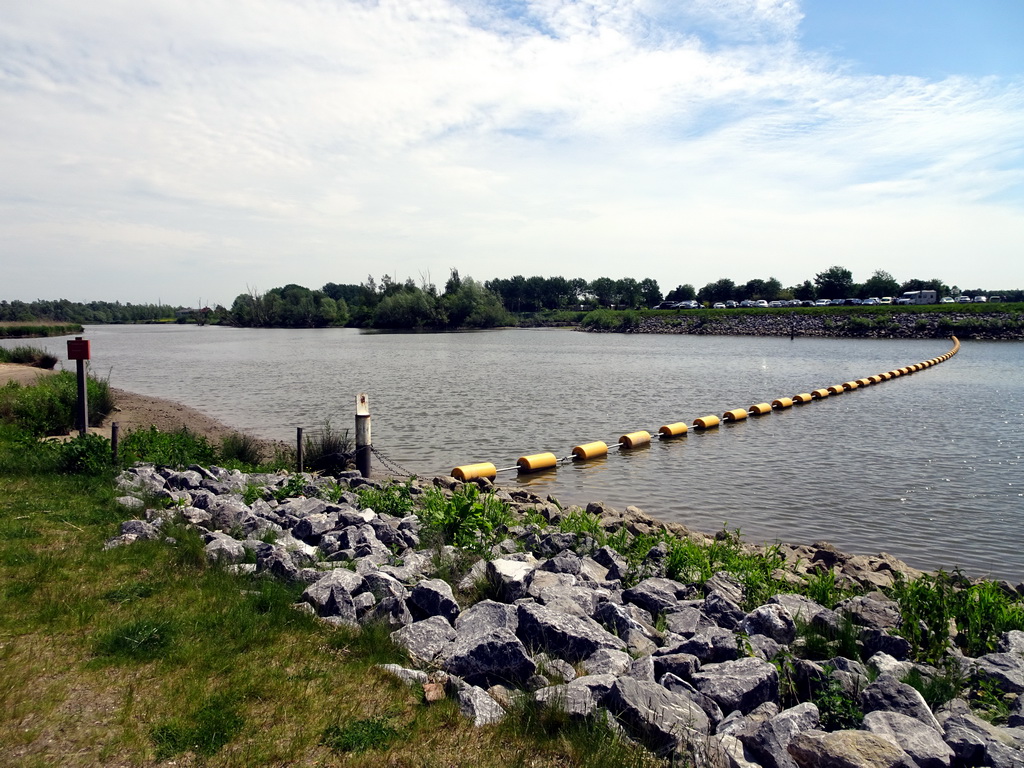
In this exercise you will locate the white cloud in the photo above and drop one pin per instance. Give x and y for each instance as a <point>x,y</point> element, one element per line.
<point>309,142</point>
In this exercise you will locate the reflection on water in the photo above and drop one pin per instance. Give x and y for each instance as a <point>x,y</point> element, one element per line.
<point>926,467</point>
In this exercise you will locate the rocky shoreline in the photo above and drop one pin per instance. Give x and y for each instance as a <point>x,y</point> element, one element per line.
<point>686,666</point>
<point>897,325</point>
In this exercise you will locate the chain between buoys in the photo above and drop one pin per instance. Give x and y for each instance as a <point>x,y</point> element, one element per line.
<point>631,440</point>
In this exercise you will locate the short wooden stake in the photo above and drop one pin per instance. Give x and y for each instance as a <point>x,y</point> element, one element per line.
<point>298,448</point>
<point>115,434</point>
<point>364,444</point>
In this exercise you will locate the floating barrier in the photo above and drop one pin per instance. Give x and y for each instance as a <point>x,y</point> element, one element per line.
<point>586,451</point>
<point>672,430</point>
<point>536,462</point>
<point>707,422</point>
<point>635,439</point>
<point>473,471</point>
<point>589,451</point>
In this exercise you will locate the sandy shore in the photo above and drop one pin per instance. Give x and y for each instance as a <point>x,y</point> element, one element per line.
<point>134,411</point>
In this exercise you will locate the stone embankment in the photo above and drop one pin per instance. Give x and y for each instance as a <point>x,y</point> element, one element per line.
<point>679,666</point>
<point>898,325</point>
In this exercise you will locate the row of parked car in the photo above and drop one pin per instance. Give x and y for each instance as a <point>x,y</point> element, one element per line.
<point>819,303</point>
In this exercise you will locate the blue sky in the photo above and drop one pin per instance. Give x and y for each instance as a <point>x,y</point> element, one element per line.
<point>153,151</point>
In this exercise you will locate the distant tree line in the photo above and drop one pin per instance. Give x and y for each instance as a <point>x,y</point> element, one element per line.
<point>93,312</point>
<point>466,303</point>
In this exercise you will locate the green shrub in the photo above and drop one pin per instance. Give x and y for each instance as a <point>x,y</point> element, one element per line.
<point>171,449</point>
<point>328,451</point>
<point>468,519</point>
<point>243,448</point>
<point>393,499</point>
<point>86,454</point>
<point>27,355</point>
<point>48,406</point>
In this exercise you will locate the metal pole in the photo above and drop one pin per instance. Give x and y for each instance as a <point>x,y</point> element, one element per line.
<point>115,434</point>
<point>83,400</point>
<point>364,444</point>
<point>298,448</point>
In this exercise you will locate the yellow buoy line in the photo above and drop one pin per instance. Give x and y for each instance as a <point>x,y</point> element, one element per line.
<point>586,451</point>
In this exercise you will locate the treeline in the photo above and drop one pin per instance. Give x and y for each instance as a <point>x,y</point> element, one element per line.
<point>94,312</point>
<point>464,303</point>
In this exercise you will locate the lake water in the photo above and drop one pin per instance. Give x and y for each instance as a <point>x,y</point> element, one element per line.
<point>926,467</point>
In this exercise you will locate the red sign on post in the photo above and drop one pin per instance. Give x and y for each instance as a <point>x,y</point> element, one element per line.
<point>78,349</point>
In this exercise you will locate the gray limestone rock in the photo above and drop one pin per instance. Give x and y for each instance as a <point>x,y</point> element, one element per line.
<point>772,620</point>
<point>711,646</point>
<point>873,610</point>
<point>569,637</point>
<point>225,549</point>
<point>662,720</point>
<point>742,684</point>
<point>487,616</point>
<point>846,749</point>
<point>433,597</point>
<point>888,694</point>
<point>770,742</point>
<point>575,701</point>
<point>657,595</point>
<point>489,659</point>
<point>476,704</point>
<point>1004,670</point>
<point>426,640</point>
<point>318,594</point>
<point>922,743</point>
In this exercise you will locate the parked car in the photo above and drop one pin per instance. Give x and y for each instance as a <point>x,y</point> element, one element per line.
<point>963,299</point>
<point>748,303</point>
<point>718,305</point>
<point>665,305</point>
<point>946,300</point>
<point>994,298</point>
<point>980,299</point>
<point>822,303</point>
<point>885,300</point>
<point>837,302</point>
<point>808,303</point>
<point>730,304</point>
<point>761,303</point>
<point>776,304</point>
<point>794,303</point>
<point>871,301</point>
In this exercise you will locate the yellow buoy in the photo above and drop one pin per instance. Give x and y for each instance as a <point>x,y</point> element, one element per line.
<point>820,394</point>
<point>673,430</point>
<point>473,471</point>
<point>590,450</point>
<point>784,402</point>
<point>803,397</point>
<point>536,462</point>
<point>865,382</point>
<point>876,379</point>
<point>836,389</point>
<point>736,414</point>
<point>706,422</point>
<point>635,439</point>
<point>759,409</point>
<point>848,385</point>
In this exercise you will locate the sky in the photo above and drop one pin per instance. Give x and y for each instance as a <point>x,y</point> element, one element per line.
<point>191,151</point>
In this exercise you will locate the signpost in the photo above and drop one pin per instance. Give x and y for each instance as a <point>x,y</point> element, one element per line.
<point>79,351</point>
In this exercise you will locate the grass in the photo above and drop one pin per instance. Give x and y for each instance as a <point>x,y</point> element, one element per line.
<point>145,653</point>
<point>48,406</point>
<point>37,329</point>
<point>27,355</point>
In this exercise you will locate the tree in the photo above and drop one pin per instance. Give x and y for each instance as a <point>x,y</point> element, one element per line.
<point>881,283</point>
<point>603,289</point>
<point>804,291</point>
<point>834,283</point>
<point>682,293</point>
<point>628,294</point>
<point>651,292</point>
